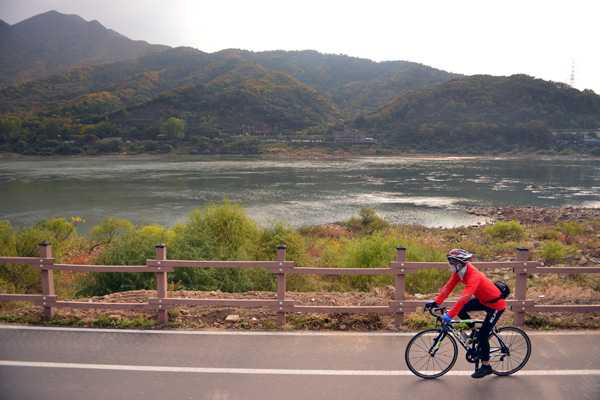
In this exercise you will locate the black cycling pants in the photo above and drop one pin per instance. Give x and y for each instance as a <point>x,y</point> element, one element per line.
<point>490,320</point>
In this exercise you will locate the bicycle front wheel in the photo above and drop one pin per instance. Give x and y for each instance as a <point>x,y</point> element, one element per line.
<point>419,359</point>
<point>510,354</point>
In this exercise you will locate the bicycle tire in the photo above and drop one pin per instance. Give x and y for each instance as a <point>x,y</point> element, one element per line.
<point>421,363</point>
<point>519,350</point>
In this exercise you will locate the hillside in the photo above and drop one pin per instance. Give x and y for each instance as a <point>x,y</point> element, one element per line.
<point>485,112</point>
<point>273,92</point>
<point>53,42</point>
<point>354,85</point>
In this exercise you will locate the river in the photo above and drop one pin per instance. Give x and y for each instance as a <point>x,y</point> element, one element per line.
<point>430,191</point>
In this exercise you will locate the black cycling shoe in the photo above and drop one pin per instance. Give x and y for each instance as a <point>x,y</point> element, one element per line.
<point>482,371</point>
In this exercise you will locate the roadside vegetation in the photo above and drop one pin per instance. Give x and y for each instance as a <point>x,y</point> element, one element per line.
<point>223,231</point>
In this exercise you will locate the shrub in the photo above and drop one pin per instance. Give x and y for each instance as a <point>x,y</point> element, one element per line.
<point>107,231</point>
<point>511,230</point>
<point>426,281</point>
<point>548,234</point>
<point>133,248</point>
<point>374,251</point>
<point>296,250</point>
<point>231,232</point>
<point>219,232</point>
<point>369,222</point>
<point>24,242</point>
<point>571,230</point>
<point>552,252</point>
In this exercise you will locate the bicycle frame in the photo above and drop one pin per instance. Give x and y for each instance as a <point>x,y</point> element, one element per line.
<point>448,328</point>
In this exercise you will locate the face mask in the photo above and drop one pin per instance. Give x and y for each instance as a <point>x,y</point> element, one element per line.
<point>453,268</point>
<point>460,270</point>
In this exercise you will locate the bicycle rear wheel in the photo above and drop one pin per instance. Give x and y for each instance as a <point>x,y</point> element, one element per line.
<point>508,360</point>
<point>423,364</point>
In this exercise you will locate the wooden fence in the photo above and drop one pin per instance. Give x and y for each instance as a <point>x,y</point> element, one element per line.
<point>518,302</point>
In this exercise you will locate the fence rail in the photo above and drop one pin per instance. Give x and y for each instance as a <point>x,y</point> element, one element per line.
<point>520,305</point>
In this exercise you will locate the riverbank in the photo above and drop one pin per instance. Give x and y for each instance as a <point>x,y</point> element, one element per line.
<point>543,289</point>
<point>536,215</point>
<point>329,153</point>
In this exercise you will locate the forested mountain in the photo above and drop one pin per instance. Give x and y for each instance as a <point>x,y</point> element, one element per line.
<point>53,42</point>
<point>186,95</point>
<point>486,112</point>
<point>354,85</point>
<point>269,92</point>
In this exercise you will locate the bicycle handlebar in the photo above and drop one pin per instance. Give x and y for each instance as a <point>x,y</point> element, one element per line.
<point>438,308</point>
<point>439,316</point>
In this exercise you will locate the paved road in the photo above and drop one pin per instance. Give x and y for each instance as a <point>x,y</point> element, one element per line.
<point>73,363</point>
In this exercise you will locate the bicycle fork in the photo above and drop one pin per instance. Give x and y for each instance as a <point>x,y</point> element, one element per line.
<point>437,343</point>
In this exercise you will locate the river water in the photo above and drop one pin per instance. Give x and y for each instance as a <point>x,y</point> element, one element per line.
<point>410,190</point>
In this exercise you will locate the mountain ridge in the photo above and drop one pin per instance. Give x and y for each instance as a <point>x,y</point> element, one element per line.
<point>52,42</point>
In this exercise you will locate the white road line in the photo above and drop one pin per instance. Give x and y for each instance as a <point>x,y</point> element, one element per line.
<point>263,371</point>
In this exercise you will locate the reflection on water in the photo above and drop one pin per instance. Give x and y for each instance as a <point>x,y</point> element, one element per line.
<point>428,191</point>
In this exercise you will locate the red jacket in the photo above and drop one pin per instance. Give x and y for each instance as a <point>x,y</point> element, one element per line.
<point>476,284</point>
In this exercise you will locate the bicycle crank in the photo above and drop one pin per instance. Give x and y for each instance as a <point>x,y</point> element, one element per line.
<point>472,356</point>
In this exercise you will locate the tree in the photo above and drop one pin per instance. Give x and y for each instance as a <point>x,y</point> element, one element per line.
<point>368,222</point>
<point>51,127</point>
<point>9,127</point>
<point>174,128</point>
<point>106,129</point>
<point>208,127</point>
<point>107,231</point>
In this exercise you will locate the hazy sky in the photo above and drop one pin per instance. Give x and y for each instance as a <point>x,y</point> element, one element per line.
<point>538,38</point>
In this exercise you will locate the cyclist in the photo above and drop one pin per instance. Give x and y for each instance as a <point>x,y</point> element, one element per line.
<point>486,298</point>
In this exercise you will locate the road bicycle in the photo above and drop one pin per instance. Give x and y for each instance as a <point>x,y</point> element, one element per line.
<point>433,352</point>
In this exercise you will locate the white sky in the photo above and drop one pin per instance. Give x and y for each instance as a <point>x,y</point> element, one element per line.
<point>537,38</point>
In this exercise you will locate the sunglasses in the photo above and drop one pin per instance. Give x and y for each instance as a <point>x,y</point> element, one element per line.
<point>456,263</point>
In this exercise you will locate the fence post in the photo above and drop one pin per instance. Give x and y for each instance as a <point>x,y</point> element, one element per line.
<point>47,280</point>
<point>281,256</point>
<point>400,285</point>
<point>161,284</point>
<point>520,286</point>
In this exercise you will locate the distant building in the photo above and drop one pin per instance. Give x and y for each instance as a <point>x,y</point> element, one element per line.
<point>352,136</point>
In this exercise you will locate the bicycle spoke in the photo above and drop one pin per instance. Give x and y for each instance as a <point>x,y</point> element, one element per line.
<point>421,362</point>
<point>509,359</point>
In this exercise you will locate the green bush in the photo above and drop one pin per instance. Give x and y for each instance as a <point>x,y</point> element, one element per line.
<point>134,247</point>
<point>108,230</point>
<point>280,233</point>
<point>228,232</point>
<point>552,252</point>
<point>426,281</point>
<point>24,242</point>
<point>373,251</point>
<point>571,230</point>
<point>218,232</point>
<point>368,223</point>
<point>511,230</point>
<point>548,234</point>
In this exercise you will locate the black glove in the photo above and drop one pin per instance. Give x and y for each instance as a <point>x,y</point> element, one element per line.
<point>430,304</point>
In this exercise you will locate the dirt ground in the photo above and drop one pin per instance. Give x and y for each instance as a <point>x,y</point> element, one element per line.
<point>211,317</point>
